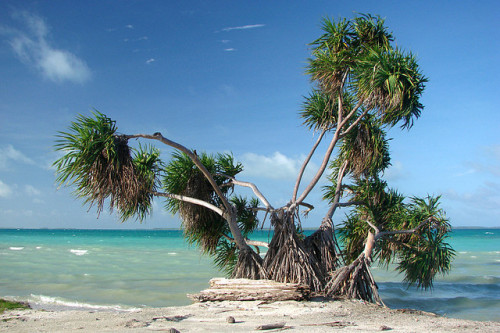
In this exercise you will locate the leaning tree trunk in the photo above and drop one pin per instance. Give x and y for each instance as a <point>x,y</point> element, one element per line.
<point>356,280</point>
<point>287,259</point>
<point>322,244</point>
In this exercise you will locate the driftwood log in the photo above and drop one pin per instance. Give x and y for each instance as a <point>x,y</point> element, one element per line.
<point>251,290</point>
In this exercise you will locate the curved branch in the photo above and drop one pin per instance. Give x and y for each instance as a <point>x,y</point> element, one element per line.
<point>304,165</point>
<point>321,169</point>
<point>399,232</point>
<point>329,151</point>
<point>356,122</point>
<point>230,214</point>
<point>254,189</point>
<point>190,200</point>
<point>336,199</point>
<point>249,241</point>
<point>158,136</point>
<point>377,231</point>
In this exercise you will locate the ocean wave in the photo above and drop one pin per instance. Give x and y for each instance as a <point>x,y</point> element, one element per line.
<point>16,248</point>
<point>50,302</point>
<point>79,252</point>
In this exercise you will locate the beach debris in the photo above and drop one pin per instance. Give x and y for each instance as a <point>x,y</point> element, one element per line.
<point>385,328</point>
<point>172,318</point>
<point>230,320</point>
<point>336,323</point>
<point>173,330</point>
<point>222,289</point>
<point>270,326</point>
<point>134,323</point>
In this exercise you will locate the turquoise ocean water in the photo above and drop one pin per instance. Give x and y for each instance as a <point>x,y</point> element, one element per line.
<point>130,269</point>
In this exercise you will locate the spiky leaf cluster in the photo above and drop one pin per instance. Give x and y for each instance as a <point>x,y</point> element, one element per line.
<point>354,61</point>
<point>99,163</point>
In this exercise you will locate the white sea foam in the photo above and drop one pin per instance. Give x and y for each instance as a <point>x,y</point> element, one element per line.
<point>463,252</point>
<point>14,248</point>
<point>38,247</point>
<point>49,301</point>
<point>79,252</point>
<point>172,253</point>
<point>489,233</point>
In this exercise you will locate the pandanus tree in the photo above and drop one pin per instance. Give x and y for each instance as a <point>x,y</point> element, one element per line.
<point>362,85</point>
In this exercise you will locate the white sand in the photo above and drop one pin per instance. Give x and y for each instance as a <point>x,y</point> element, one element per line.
<point>347,316</point>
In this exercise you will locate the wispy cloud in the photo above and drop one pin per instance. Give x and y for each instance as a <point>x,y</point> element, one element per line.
<point>5,190</point>
<point>276,166</point>
<point>9,153</point>
<point>151,60</point>
<point>485,197</point>
<point>230,49</point>
<point>31,45</point>
<point>31,190</point>
<point>244,27</point>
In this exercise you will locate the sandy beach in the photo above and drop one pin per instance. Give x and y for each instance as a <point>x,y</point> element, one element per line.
<point>311,316</point>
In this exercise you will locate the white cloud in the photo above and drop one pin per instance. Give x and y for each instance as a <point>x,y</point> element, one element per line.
<point>151,60</point>
<point>244,27</point>
<point>395,171</point>
<point>484,198</point>
<point>229,49</point>
<point>129,26</point>
<point>5,190</point>
<point>31,45</point>
<point>9,153</point>
<point>31,190</point>
<point>276,166</point>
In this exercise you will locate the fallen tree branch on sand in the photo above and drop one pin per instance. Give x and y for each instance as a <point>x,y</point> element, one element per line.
<point>251,290</point>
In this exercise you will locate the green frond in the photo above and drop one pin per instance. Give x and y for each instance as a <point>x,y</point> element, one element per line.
<point>390,82</point>
<point>370,31</point>
<point>98,163</point>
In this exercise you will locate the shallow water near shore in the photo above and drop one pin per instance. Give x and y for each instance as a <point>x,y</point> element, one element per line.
<point>129,269</point>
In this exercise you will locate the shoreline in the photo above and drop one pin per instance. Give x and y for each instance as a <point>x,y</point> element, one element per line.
<point>294,316</point>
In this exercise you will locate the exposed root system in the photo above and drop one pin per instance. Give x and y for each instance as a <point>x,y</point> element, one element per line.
<point>354,281</point>
<point>249,266</point>
<point>322,245</point>
<point>288,260</point>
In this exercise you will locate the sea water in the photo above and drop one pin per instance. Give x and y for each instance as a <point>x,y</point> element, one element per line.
<point>129,269</point>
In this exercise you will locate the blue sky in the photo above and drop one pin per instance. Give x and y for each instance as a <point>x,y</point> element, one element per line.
<point>229,76</point>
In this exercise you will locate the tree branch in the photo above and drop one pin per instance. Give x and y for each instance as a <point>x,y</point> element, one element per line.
<point>377,231</point>
<point>304,165</point>
<point>229,209</point>
<point>356,122</point>
<point>190,200</point>
<point>320,171</point>
<point>336,199</point>
<point>249,241</point>
<point>399,232</point>
<point>329,151</point>
<point>254,189</point>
